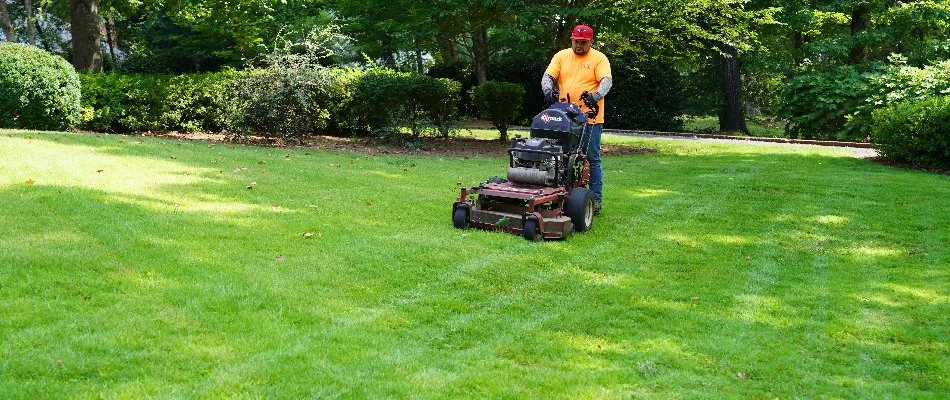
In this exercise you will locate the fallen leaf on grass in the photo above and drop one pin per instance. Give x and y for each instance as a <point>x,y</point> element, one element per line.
<point>100,170</point>
<point>694,298</point>
<point>281,258</point>
<point>261,162</point>
<point>740,375</point>
<point>308,235</point>
<point>747,258</point>
<point>30,181</point>
<point>369,202</point>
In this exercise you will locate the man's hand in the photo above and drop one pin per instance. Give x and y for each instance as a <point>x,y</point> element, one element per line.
<point>550,96</point>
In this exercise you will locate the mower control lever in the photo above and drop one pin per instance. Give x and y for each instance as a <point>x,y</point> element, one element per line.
<point>592,107</point>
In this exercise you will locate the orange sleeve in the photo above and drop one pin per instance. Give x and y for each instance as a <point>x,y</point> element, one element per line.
<point>603,69</point>
<point>554,68</point>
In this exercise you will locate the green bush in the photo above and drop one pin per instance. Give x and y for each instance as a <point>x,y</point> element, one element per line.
<point>126,103</point>
<point>500,102</point>
<point>284,103</point>
<point>817,103</point>
<point>526,73</point>
<point>838,102</point>
<point>645,95</point>
<point>384,102</point>
<point>916,131</point>
<point>37,89</point>
<point>898,83</point>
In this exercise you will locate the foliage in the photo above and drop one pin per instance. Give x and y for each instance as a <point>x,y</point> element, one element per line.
<point>500,102</point>
<point>645,95</point>
<point>385,101</point>
<point>895,84</point>
<point>459,71</point>
<point>38,90</point>
<point>524,72</point>
<point>817,103</point>
<point>290,97</point>
<point>916,131</point>
<point>837,102</point>
<point>128,103</point>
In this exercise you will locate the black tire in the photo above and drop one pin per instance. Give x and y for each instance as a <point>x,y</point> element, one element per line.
<point>580,209</point>
<point>531,230</point>
<point>460,217</point>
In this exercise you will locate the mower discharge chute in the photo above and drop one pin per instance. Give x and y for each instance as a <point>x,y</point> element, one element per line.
<point>545,195</point>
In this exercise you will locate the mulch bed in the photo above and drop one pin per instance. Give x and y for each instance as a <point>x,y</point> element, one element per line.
<point>432,147</point>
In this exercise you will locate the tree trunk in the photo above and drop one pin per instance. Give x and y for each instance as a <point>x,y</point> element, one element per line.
<point>448,51</point>
<point>732,118</point>
<point>420,68</point>
<point>43,40</point>
<point>859,24</point>
<point>799,43</point>
<point>5,23</point>
<point>480,54</point>
<point>84,26</point>
<point>110,37</point>
<point>30,23</point>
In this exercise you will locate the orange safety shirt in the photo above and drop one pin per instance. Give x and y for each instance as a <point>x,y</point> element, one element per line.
<point>576,74</point>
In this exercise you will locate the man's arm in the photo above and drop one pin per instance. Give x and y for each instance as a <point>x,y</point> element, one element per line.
<point>547,85</point>
<point>602,89</point>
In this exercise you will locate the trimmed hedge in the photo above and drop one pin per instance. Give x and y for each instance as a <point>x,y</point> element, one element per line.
<point>917,132</point>
<point>129,103</point>
<point>279,103</point>
<point>384,101</point>
<point>500,102</point>
<point>38,90</point>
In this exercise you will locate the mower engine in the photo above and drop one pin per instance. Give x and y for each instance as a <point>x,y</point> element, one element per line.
<point>536,161</point>
<point>542,159</point>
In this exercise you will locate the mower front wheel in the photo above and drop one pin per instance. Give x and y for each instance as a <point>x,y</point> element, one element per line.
<point>580,208</point>
<point>531,229</point>
<point>460,217</point>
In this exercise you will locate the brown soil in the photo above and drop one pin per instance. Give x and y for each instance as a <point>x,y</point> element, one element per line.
<point>451,147</point>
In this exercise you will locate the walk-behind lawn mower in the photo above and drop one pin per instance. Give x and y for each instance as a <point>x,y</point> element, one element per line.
<point>545,195</point>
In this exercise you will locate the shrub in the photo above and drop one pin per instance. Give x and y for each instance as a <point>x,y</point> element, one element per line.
<point>895,84</point>
<point>384,101</point>
<point>645,95</point>
<point>500,102</point>
<point>526,73</point>
<point>38,90</point>
<point>916,131</point>
<point>126,103</point>
<point>838,102</point>
<point>291,96</point>
<point>817,103</point>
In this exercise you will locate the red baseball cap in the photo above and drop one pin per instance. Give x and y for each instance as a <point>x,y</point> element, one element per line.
<point>582,32</point>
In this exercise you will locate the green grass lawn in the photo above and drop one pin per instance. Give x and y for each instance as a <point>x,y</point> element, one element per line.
<point>758,127</point>
<point>149,268</point>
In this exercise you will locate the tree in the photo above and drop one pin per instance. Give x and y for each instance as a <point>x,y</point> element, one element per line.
<point>84,26</point>
<point>6,23</point>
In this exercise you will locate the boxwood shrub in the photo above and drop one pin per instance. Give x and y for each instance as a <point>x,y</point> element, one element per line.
<point>917,132</point>
<point>384,102</point>
<point>38,90</point>
<point>500,102</point>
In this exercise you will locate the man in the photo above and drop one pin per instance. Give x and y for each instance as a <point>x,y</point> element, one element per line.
<point>577,70</point>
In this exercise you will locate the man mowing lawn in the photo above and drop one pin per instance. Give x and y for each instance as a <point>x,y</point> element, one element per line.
<point>577,70</point>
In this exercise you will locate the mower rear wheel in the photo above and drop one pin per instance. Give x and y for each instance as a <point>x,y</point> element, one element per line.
<point>460,217</point>
<point>580,208</point>
<point>531,229</point>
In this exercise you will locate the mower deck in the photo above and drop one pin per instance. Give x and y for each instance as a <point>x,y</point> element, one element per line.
<point>507,206</point>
